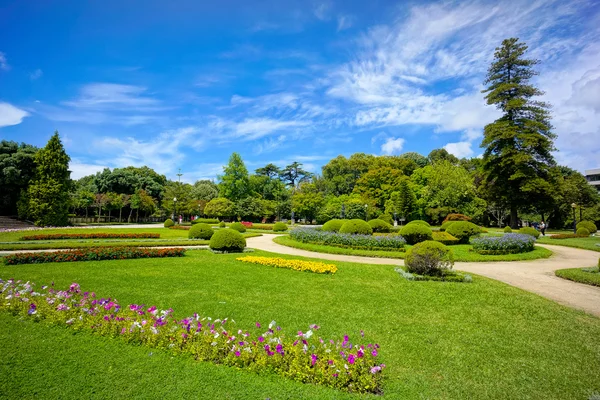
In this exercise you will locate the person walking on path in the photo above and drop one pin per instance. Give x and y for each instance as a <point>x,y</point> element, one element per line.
<point>543,228</point>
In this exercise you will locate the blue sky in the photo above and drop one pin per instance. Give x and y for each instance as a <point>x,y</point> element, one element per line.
<point>183,84</point>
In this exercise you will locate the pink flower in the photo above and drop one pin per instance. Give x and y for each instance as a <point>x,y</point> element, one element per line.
<point>261,339</point>
<point>258,325</point>
<point>374,353</point>
<point>237,353</point>
<point>351,358</point>
<point>313,358</point>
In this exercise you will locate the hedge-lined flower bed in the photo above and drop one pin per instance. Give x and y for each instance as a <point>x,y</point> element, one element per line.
<point>181,227</point>
<point>298,265</point>
<point>568,236</point>
<point>61,236</point>
<point>92,254</point>
<point>367,242</point>
<point>510,243</point>
<point>305,358</point>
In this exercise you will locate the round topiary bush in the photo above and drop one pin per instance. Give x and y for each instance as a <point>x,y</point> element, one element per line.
<point>387,218</point>
<point>445,225</point>
<point>280,227</point>
<point>238,226</point>
<point>415,233</point>
<point>333,225</point>
<point>530,231</point>
<point>418,221</point>
<point>429,258</point>
<point>463,230</point>
<point>583,232</point>
<point>222,224</point>
<point>200,231</point>
<point>380,226</point>
<point>507,229</point>
<point>169,223</point>
<point>228,240</point>
<point>589,225</point>
<point>356,226</point>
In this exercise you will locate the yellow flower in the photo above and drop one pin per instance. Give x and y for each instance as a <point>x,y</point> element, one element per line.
<point>298,265</point>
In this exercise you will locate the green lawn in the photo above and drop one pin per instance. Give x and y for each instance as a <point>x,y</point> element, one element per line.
<point>168,237</point>
<point>461,252</point>
<point>439,340</point>
<point>581,276</point>
<point>589,243</point>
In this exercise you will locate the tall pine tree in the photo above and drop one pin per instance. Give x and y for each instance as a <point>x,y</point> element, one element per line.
<point>234,183</point>
<point>49,189</point>
<point>517,162</point>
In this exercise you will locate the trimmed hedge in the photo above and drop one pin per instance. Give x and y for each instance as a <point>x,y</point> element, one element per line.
<point>228,240</point>
<point>456,217</point>
<point>507,229</point>
<point>280,227</point>
<point>201,231</point>
<point>380,226</point>
<point>445,238</point>
<point>238,226</point>
<point>387,218</point>
<point>463,230</point>
<point>169,223</point>
<point>91,254</point>
<point>530,231</point>
<point>445,225</point>
<point>583,232</point>
<point>589,225</point>
<point>415,233</point>
<point>333,225</point>
<point>61,236</point>
<point>222,224</point>
<point>205,221</point>
<point>356,227</point>
<point>567,236</point>
<point>419,221</point>
<point>429,258</point>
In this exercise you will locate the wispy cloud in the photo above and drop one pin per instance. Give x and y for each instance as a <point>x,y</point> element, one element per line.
<point>111,95</point>
<point>3,62</point>
<point>35,75</point>
<point>323,11</point>
<point>80,169</point>
<point>344,22</point>
<point>11,115</point>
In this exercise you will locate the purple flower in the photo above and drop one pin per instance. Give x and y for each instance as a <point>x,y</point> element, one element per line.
<point>258,324</point>
<point>261,339</point>
<point>374,353</point>
<point>362,333</point>
<point>279,349</point>
<point>375,369</point>
<point>295,343</point>
<point>351,358</point>
<point>330,362</point>
<point>32,309</point>
<point>313,358</point>
<point>237,353</point>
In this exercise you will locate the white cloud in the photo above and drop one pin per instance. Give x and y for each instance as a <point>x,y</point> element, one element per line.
<point>392,146</point>
<point>37,74</point>
<point>459,149</point>
<point>11,115</point>
<point>344,22</point>
<point>80,169</point>
<point>322,11</point>
<point>3,63</point>
<point>111,95</point>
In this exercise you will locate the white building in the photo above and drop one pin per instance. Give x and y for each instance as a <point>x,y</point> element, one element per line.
<point>593,177</point>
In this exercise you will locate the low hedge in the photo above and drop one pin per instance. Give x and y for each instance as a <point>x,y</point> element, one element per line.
<point>510,243</point>
<point>211,221</point>
<point>583,232</point>
<point>387,218</point>
<point>380,226</point>
<point>568,236</point>
<point>463,230</point>
<point>180,227</point>
<point>62,236</point>
<point>169,223</point>
<point>530,231</point>
<point>227,240</point>
<point>201,231</point>
<point>222,224</point>
<point>445,225</point>
<point>356,227</point>
<point>238,226</point>
<point>507,229</point>
<point>333,225</point>
<point>262,227</point>
<point>280,227</point>
<point>415,233</point>
<point>444,238</point>
<point>589,225</point>
<point>92,254</point>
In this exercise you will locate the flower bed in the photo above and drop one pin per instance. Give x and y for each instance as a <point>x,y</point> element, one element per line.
<point>246,224</point>
<point>304,357</point>
<point>92,254</point>
<point>510,243</point>
<point>567,236</point>
<point>61,236</point>
<point>264,227</point>
<point>367,242</point>
<point>298,265</point>
<point>181,227</point>
<point>450,276</point>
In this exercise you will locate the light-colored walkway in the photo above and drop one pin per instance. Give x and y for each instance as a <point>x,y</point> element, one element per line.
<point>536,276</point>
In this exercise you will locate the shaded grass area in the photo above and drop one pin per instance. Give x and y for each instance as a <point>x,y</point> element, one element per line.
<point>589,243</point>
<point>581,276</point>
<point>439,340</point>
<point>462,252</point>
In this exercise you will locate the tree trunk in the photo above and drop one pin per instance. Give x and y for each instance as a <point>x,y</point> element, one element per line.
<point>99,213</point>
<point>130,212</point>
<point>86,212</point>
<point>137,215</point>
<point>109,211</point>
<point>514,223</point>
<point>120,213</point>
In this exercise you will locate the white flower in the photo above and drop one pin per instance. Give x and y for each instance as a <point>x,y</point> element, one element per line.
<point>216,335</point>
<point>308,334</point>
<point>213,344</point>
<point>272,324</point>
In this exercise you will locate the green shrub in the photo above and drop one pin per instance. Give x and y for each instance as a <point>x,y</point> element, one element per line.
<point>280,227</point>
<point>530,231</point>
<point>238,226</point>
<point>589,225</point>
<point>169,223</point>
<point>200,231</point>
<point>211,221</point>
<point>463,230</point>
<point>456,217</point>
<point>228,240</point>
<point>222,224</point>
<point>418,221</point>
<point>333,225</point>
<point>583,231</point>
<point>387,218</point>
<point>429,258</point>
<point>445,238</point>
<point>507,229</point>
<point>380,226</point>
<point>415,233</point>
<point>445,225</point>
<point>356,226</point>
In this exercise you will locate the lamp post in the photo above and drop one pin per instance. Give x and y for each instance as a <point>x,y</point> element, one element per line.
<point>395,219</point>
<point>292,217</point>
<point>574,218</point>
<point>175,208</point>
<point>366,213</point>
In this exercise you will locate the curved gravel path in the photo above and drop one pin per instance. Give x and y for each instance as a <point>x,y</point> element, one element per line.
<point>535,276</point>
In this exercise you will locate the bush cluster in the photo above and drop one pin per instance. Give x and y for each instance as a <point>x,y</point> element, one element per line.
<point>169,223</point>
<point>62,236</point>
<point>227,240</point>
<point>211,221</point>
<point>456,217</point>
<point>445,238</point>
<point>448,276</point>
<point>222,224</point>
<point>507,229</point>
<point>418,221</point>
<point>303,357</point>
<point>463,230</point>
<point>380,226</point>
<point>445,225</point>
<point>387,218</point>
<point>280,227</point>
<point>238,226</point>
<point>530,231</point>
<point>91,254</point>
<point>367,242</point>
<point>356,227</point>
<point>201,231</point>
<point>429,258</point>
<point>510,243</point>
<point>589,225</point>
<point>414,233</point>
<point>333,225</point>
<point>297,265</point>
<point>583,232</point>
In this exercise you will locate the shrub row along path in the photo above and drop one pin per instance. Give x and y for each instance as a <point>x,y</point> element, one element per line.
<point>535,276</point>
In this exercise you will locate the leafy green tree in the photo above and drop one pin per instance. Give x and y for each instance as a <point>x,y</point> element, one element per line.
<point>419,159</point>
<point>141,200</point>
<point>205,190</point>
<point>293,174</point>
<point>403,202</point>
<point>249,209</point>
<point>17,167</point>
<point>379,184</point>
<point>517,160</point>
<point>271,171</point>
<point>49,189</point>
<point>307,201</point>
<point>234,181</point>
<point>220,207</point>
<point>100,200</point>
<point>437,155</point>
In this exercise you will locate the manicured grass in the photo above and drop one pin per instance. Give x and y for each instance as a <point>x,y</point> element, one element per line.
<point>579,275</point>
<point>461,252</point>
<point>439,340</point>
<point>168,237</point>
<point>589,243</point>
